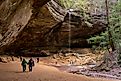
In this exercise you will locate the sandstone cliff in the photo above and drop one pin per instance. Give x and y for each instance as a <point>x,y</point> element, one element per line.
<point>28,24</point>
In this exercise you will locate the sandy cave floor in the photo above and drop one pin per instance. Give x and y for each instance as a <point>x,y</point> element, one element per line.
<point>12,72</point>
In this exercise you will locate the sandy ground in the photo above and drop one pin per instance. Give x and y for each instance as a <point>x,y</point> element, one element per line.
<point>12,72</point>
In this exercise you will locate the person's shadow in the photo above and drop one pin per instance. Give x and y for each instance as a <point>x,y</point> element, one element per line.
<point>17,71</point>
<point>21,72</point>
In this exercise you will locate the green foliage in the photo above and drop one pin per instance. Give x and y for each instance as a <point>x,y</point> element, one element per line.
<point>81,5</point>
<point>75,4</point>
<point>99,41</point>
<point>114,28</point>
<point>115,24</point>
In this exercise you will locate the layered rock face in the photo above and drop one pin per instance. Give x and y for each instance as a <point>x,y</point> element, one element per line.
<point>14,16</point>
<point>32,35</point>
<point>27,24</point>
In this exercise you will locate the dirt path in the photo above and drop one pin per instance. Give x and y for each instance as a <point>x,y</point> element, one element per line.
<point>12,72</point>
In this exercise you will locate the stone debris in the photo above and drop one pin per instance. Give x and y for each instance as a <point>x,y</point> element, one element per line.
<point>76,58</point>
<point>114,73</point>
<point>85,64</point>
<point>6,59</point>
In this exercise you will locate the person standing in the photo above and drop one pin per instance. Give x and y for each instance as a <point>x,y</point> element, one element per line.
<point>31,64</point>
<point>37,60</point>
<point>20,58</point>
<point>24,63</point>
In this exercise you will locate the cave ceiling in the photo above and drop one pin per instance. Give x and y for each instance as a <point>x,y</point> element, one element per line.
<point>38,23</point>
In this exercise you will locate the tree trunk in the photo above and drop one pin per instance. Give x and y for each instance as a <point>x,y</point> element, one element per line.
<point>109,32</point>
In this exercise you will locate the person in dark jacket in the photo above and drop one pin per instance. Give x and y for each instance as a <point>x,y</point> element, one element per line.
<point>24,63</point>
<point>31,64</point>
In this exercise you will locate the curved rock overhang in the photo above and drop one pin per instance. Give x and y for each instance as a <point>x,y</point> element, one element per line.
<point>14,16</point>
<point>34,26</point>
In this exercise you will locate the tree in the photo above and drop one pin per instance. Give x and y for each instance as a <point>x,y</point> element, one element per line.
<point>113,27</point>
<point>113,31</point>
<point>108,28</point>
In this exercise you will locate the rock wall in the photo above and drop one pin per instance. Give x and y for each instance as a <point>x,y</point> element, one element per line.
<point>27,24</point>
<point>14,16</point>
<point>33,34</point>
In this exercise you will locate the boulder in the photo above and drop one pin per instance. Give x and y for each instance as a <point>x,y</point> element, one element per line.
<point>6,59</point>
<point>3,60</point>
